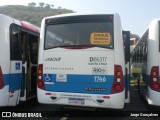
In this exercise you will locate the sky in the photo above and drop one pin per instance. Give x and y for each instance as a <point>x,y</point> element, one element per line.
<point>135,15</point>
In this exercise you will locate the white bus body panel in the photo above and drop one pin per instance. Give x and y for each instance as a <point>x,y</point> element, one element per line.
<point>152,58</point>
<point>153,97</point>
<point>4,94</point>
<point>79,62</point>
<point>5,22</point>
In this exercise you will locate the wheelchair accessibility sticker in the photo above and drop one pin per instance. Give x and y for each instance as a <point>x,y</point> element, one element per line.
<point>48,79</point>
<point>17,66</point>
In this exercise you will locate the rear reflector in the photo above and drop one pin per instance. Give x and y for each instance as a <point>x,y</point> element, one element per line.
<point>48,93</point>
<point>106,97</point>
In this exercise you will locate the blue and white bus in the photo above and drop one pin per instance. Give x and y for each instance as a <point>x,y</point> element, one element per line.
<point>146,55</point>
<point>81,61</point>
<point>18,61</point>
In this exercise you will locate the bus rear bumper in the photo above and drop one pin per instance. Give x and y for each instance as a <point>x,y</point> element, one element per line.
<point>153,97</point>
<point>4,95</point>
<point>115,101</point>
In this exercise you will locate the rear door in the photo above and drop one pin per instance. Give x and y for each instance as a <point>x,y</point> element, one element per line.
<point>24,39</point>
<point>15,65</point>
<point>126,38</point>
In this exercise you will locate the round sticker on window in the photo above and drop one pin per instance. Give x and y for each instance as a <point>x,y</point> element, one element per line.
<point>100,38</point>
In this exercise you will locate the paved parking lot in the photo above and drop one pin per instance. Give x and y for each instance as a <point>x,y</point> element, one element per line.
<point>137,106</point>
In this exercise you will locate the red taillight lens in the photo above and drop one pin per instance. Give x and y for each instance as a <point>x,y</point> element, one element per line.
<point>1,79</point>
<point>118,84</point>
<point>154,78</point>
<point>134,42</point>
<point>117,87</point>
<point>40,82</point>
<point>155,85</point>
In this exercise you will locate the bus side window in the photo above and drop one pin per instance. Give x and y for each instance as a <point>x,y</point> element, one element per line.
<point>145,48</point>
<point>138,54</point>
<point>145,52</point>
<point>141,53</point>
<point>15,43</point>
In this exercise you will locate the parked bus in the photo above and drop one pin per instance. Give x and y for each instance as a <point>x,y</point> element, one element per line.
<point>82,61</point>
<point>146,54</point>
<point>18,61</point>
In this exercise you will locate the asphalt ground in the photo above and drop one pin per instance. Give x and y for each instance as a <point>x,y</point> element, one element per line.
<point>137,106</point>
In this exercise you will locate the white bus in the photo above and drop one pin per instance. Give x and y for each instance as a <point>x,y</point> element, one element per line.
<point>147,55</point>
<point>18,61</point>
<point>81,61</point>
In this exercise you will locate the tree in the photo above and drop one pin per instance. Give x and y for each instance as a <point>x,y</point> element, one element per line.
<point>41,4</point>
<point>47,6</point>
<point>59,7</point>
<point>52,6</point>
<point>32,4</point>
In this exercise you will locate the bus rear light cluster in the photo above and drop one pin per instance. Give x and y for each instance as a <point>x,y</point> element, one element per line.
<point>1,79</point>
<point>154,78</point>
<point>40,82</point>
<point>118,84</point>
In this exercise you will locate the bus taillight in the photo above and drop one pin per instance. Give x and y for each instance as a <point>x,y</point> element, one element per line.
<point>40,82</point>
<point>135,42</point>
<point>1,79</point>
<point>118,84</point>
<point>154,78</point>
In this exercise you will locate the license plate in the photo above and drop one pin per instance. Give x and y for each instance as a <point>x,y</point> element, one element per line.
<point>76,101</point>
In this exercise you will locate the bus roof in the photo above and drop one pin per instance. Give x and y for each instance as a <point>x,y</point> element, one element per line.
<point>29,26</point>
<point>139,41</point>
<point>23,24</point>
<point>79,14</point>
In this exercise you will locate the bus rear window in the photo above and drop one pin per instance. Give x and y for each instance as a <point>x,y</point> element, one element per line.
<point>97,34</point>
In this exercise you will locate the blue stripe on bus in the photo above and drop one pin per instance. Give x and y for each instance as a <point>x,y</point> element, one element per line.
<point>13,80</point>
<point>6,79</point>
<point>79,84</point>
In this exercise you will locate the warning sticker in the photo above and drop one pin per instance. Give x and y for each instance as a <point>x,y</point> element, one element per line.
<point>100,38</point>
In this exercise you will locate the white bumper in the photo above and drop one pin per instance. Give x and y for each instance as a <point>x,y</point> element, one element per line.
<point>4,95</point>
<point>115,101</point>
<point>153,97</point>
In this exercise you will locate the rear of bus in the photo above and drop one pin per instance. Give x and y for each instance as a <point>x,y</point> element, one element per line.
<point>81,61</point>
<point>153,65</point>
<point>4,59</point>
